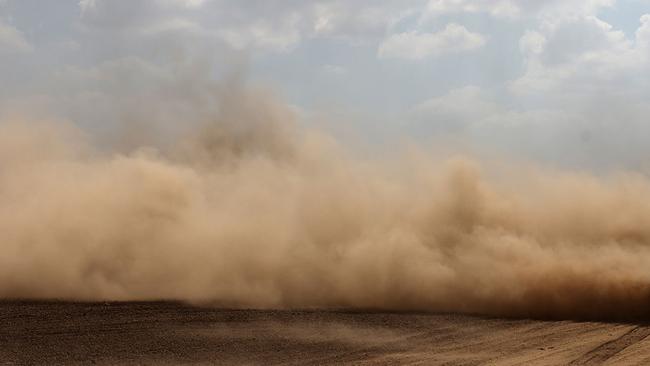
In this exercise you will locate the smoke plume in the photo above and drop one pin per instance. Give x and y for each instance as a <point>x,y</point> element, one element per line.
<point>253,210</point>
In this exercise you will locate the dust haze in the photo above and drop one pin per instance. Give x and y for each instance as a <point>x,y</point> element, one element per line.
<point>252,209</point>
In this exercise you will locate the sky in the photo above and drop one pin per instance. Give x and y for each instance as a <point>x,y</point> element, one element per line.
<point>563,82</point>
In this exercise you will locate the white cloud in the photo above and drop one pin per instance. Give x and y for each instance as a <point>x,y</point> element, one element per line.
<point>499,8</point>
<point>121,14</point>
<point>87,5</point>
<point>335,69</point>
<point>284,24</point>
<point>90,5</point>
<point>554,9</point>
<point>256,24</point>
<point>580,56</point>
<point>532,43</point>
<point>417,46</point>
<point>279,36</point>
<point>643,34</point>
<point>357,21</point>
<point>12,40</point>
<point>575,75</point>
<point>454,111</point>
<point>582,99</point>
<point>602,133</point>
<point>192,3</point>
<point>515,8</point>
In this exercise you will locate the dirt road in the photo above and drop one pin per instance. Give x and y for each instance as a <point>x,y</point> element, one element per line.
<point>172,333</point>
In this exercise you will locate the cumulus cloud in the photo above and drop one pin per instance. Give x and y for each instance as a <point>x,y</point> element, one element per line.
<point>581,55</point>
<point>287,23</point>
<point>414,45</point>
<point>594,77</point>
<point>334,69</point>
<point>552,60</point>
<point>454,111</point>
<point>138,15</point>
<point>515,9</point>
<point>261,25</point>
<point>192,3</point>
<point>360,20</point>
<point>643,34</point>
<point>281,35</point>
<point>500,8</point>
<point>595,130</point>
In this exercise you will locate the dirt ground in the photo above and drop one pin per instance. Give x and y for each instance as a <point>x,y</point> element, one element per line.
<point>165,333</point>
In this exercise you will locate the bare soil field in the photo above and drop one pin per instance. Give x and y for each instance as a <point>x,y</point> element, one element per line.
<point>169,333</point>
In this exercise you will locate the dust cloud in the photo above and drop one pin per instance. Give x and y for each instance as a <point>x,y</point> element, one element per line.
<point>252,209</point>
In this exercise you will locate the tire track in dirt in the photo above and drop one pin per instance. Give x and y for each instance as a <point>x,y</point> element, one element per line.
<point>609,349</point>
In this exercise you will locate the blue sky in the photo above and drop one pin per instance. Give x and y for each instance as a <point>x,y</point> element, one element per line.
<point>561,81</point>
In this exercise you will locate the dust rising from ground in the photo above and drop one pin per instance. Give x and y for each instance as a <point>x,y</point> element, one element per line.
<point>250,209</point>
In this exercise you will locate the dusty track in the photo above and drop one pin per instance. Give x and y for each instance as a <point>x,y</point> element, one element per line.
<point>172,333</point>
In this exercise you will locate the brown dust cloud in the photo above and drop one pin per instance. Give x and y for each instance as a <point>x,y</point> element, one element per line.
<point>254,210</point>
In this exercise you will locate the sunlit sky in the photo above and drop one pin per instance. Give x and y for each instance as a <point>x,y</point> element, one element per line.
<point>557,80</point>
